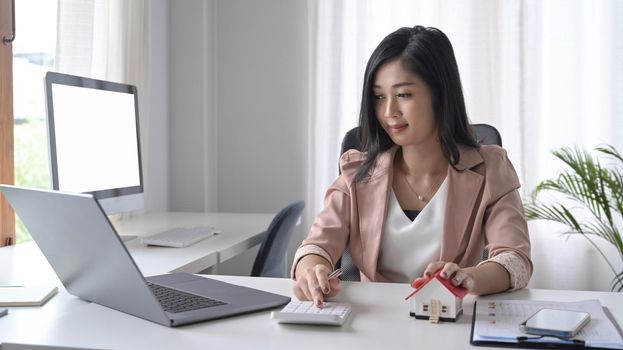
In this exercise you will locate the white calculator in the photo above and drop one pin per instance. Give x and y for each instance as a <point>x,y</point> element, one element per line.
<point>306,312</point>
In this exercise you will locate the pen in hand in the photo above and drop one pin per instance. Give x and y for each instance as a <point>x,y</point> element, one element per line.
<point>335,274</point>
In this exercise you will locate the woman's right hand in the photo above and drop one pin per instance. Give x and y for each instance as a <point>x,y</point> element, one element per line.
<point>312,281</point>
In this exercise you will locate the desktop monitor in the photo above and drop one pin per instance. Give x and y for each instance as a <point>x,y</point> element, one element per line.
<point>93,132</point>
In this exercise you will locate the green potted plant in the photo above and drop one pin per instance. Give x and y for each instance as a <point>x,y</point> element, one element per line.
<point>594,205</point>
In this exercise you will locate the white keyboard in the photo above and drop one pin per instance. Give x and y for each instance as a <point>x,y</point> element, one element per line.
<point>125,238</point>
<point>306,312</point>
<point>179,237</point>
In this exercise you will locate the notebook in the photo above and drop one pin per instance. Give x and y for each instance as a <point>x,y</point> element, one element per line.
<point>92,262</point>
<point>25,296</point>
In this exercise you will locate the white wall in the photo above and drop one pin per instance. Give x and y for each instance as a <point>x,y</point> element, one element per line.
<point>238,103</point>
<point>238,99</point>
<point>154,120</point>
<point>262,104</point>
<point>569,261</point>
<point>192,96</point>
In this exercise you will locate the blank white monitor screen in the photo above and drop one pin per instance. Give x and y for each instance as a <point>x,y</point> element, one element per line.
<point>94,139</point>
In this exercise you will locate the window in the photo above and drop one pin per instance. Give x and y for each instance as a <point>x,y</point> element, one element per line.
<point>7,222</point>
<point>33,55</point>
<point>87,37</point>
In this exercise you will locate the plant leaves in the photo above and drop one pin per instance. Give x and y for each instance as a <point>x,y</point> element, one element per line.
<point>598,191</point>
<point>617,282</point>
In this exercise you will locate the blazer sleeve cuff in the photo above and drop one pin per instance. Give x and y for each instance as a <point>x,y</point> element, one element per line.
<point>516,267</point>
<point>309,249</point>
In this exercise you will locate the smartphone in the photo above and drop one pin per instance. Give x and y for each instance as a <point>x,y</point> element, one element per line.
<point>557,323</point>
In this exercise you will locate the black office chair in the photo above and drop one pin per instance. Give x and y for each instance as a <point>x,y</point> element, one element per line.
<point>485,135</point>
<point>271,258</point>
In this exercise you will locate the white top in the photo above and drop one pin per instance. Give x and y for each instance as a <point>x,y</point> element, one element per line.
<point>407,247</point>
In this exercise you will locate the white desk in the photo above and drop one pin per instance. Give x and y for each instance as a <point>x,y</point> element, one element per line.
<point>380,321</point>
<point>239,232</point>
<point>380,318</point>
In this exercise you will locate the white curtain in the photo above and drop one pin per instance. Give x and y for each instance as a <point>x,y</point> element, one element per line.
<point>546,74</point>
<point>108,40</point>
<point>102,39</point>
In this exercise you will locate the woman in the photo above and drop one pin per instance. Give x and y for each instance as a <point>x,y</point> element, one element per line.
<point>422,196</point>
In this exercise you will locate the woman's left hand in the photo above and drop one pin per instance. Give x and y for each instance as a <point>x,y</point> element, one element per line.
<point>452,272</point>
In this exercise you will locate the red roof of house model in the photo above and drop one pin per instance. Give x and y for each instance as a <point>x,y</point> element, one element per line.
<point>458,291</point>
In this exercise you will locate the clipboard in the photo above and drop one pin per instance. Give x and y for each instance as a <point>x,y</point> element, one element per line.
<point>496,323</point>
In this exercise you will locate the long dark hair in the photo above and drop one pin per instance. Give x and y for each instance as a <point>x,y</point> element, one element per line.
<point>427,53</point>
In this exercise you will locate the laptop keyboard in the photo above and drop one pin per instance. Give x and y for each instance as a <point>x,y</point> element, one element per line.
<point>176,301</point>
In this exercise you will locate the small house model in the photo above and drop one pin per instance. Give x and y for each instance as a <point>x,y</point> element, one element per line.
<point>436,298</point>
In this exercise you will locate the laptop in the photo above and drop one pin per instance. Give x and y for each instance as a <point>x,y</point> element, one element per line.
<point>92,262</point>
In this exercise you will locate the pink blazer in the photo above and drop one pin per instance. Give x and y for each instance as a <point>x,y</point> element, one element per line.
<point>483,209</point>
